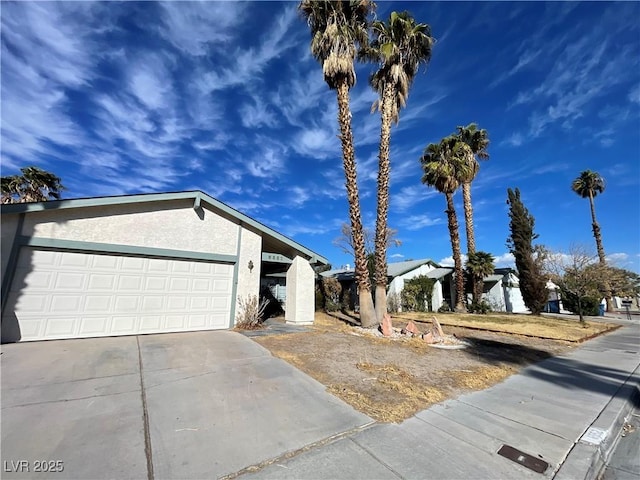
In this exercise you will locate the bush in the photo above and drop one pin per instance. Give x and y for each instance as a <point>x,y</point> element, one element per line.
<point>331,289</point>
<point>444,308</point>
<point>479,307</point>
<point>250,312</point>
<point>416,294</point>
<point>393,302</point>
<point>590,305</point>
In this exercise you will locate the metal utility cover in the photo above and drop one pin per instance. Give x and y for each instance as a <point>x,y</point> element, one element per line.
<point>524,459</point>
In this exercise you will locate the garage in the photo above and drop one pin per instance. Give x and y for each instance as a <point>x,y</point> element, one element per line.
<point>58,294</point>
<point>140,264</point>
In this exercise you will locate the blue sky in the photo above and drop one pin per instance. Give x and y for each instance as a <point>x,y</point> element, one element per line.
<point>123,98</point>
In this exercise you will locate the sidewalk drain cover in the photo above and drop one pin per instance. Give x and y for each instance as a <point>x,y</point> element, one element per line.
<point>524,459</point>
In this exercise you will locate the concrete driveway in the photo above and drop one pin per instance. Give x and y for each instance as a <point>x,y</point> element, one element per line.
<point>187,405</point>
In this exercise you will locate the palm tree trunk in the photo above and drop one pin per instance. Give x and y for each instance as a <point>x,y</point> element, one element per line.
<point>457,256</point>
<point>601,256</point>
<point>384,171</point>
<point>367,312</point>
<point>471,239</point>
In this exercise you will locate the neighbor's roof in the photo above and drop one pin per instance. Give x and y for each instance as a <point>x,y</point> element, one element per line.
<point>439,272</point>
<point>276,240</point>
<point>400,268</point>
<point>493,278</point>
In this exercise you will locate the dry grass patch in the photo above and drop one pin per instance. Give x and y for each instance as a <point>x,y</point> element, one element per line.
<point>479,378</point>
<point>534,326</point>
<point>392,379</point>
<point>399,394</point>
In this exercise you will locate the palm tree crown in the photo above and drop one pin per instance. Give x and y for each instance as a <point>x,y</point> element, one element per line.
<point>442,162</point>
<point>337,29</point>
<point>478,140</point>
<point>589,184</point>
<point>400,45</point>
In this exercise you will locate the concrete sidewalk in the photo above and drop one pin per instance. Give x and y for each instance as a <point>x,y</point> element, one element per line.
<point>565,413</point>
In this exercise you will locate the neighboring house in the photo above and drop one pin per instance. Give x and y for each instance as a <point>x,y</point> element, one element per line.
<point>502,291</point>
<point>398,273</point>
<point>138,264</point>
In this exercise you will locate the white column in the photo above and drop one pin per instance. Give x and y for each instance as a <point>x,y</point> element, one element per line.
<point>300,305</point>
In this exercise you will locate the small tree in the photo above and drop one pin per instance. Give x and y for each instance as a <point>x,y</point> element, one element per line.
<point>520,244</point>
<point>579,276</point>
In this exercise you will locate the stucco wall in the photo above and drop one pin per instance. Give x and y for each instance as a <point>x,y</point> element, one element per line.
<point>250,250</point>
<point>177,226</point>
<point>7,234</point>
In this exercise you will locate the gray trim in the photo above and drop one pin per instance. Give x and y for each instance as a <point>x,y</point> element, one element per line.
<point>7,278</point>
<point>275,258</point>
<point>123,249</point>
<point>234,285</point>
<point>161,197</point>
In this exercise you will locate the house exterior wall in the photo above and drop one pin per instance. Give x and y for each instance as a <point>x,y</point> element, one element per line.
<point>495,298</point>
<point>176,226</point>
<point>249,249</point>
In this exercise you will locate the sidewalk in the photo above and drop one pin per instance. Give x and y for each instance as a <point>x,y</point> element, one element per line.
<point>557,419</point>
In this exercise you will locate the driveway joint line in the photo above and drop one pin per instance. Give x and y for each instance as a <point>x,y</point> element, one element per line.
<point>294,453</point>
<point>69,399</point>
<point>370,453</point>
<point>145,417</point>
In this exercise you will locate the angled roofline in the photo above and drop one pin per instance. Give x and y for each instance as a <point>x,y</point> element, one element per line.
<point>424,261</point>
<point>197,196</point>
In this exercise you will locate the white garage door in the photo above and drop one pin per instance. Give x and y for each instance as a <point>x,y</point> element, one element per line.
<point>58,294</point>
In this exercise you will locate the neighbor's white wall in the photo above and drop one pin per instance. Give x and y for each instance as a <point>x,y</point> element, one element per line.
<point>250,249</point>
<point>495,297</point>
<point>437,298</point>
<point>7,234</point>
<point>178,228</point>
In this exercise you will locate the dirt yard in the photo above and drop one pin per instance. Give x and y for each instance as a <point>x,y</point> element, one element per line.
<point>392,379</point>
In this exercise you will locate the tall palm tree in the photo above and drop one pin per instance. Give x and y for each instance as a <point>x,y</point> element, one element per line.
<point>588,185</point>
<point>479,265</point>
<point>440,162</point>
<point>34,185</point>
<point>338,29</point>
<point>478,140</point>
<point>400,45</point>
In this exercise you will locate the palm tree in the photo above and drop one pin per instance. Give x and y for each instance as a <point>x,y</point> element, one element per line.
<point>338,28</point>
<point>440,162</point>
<point>34,185</point>
<point>400,45</point>
<point>588,185</point>
<point>479,265</point>
<point>478,140</point>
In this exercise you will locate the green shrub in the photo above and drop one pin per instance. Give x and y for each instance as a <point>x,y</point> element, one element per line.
<point>479,307</point>
<point>416,294</point>
<point>444,308</point>
<point>590,305</point>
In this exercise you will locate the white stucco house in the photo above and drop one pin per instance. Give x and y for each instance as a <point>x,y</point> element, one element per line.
<point>399,272</point>
<point>136,264</point>
<point>502,291</point>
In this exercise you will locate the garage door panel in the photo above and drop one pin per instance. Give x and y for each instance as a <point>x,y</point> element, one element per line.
<point>59,294</point>
<point>93,326</point>
<point>99,281</point>
<point>61,327</point>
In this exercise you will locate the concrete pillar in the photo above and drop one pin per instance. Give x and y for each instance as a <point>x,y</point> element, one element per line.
<point>300,303</point>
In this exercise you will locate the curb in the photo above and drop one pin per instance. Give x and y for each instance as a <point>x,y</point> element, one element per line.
<point>593,450</point>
